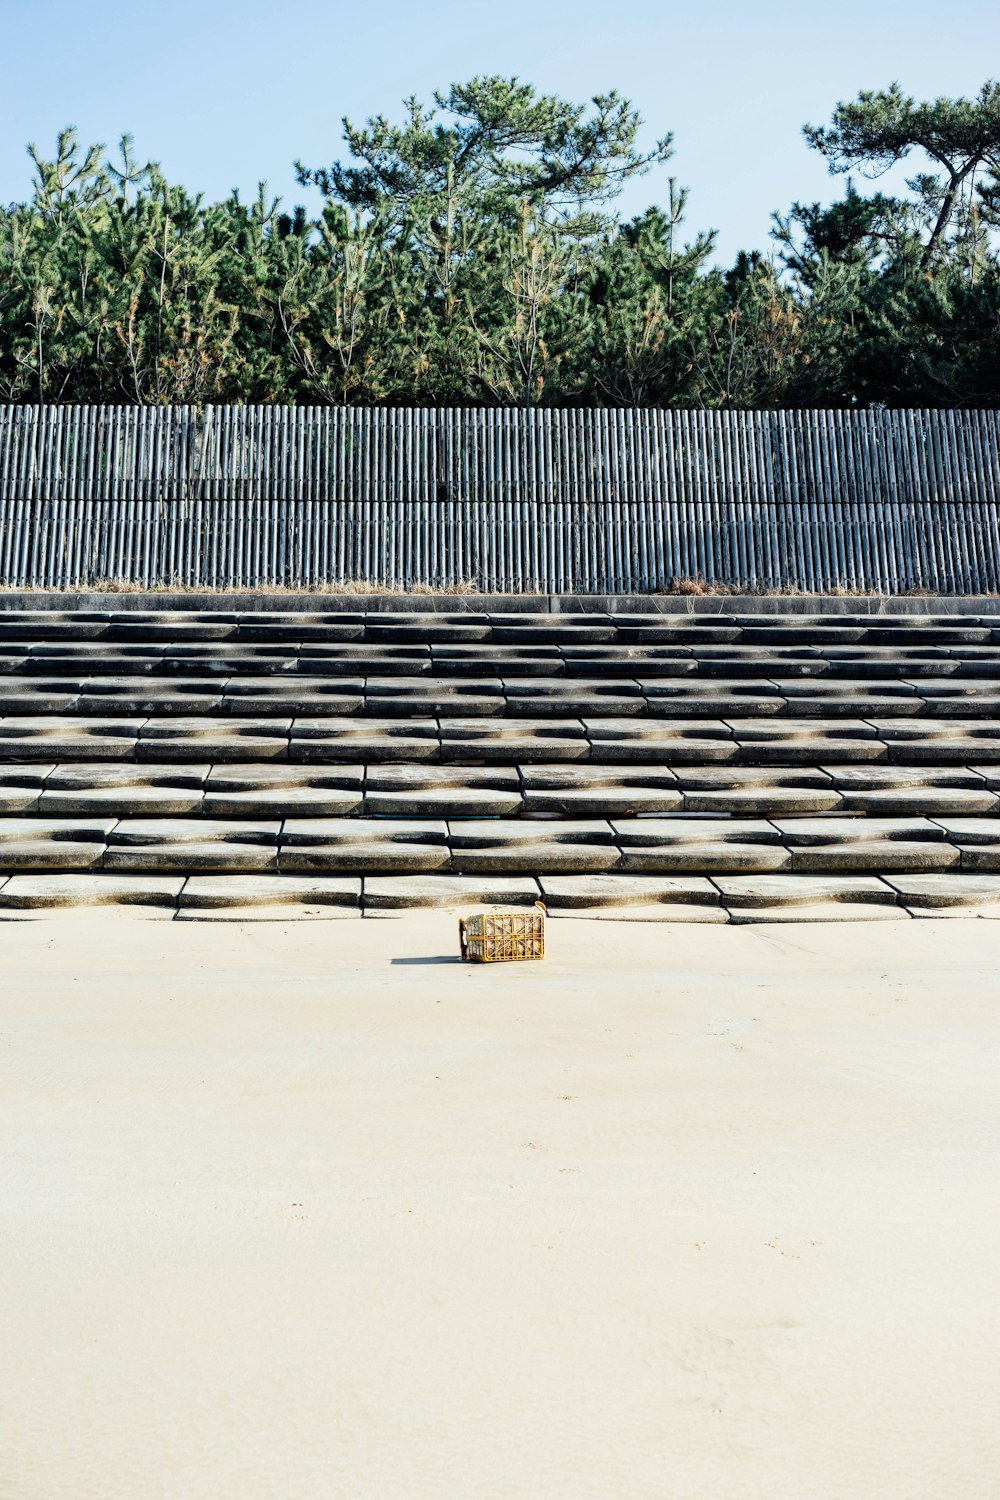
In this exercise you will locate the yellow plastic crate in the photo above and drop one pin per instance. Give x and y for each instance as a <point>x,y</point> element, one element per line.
<point>493,937</point>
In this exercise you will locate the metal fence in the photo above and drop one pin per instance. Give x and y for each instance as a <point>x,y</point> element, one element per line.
<point>607,501</point>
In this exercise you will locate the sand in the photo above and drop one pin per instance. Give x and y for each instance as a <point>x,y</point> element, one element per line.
<point>685,1213</point>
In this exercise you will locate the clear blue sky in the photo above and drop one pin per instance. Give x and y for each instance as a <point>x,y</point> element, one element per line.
<point>225,92</point>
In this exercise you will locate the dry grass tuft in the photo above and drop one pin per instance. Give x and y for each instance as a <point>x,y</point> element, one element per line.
<point>175,586</point>
<point>121,586</point>
<point>351,586</point>
<point>697,586</point>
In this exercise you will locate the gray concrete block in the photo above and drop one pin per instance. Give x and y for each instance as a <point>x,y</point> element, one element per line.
<point>56,739</point>
<point>443,802</point>
<point>371,662</point>
<point>932,741</point>
<point>927,800</point>
<point>307,629</point>
<point>635,897</point>
<point>981,857</point>
<point>531,848</point>
<point>824,701</point>
<point>660,741</point>
<point>875,855</point>
<point>603,802</point>
<point>39,892</point>
<point>888,661</point>
<point>35,843</point>
<point>281,790</point>
<point>553,856</point>
<point>245,697</point>
<point>279,898</point>
<point>123,801</point>
<point>678,751</point>
<point>169,629</point>
<point>748,791</point>
<point>797,633</point>
<point>402,778</point>
<point>572,699</point>
<point>970,830</point>
<point>21,787</point>
<point>42,695</point>
<point>36,853</point>
<point>489,663</point>
<point>91,828</point>
<point>189,846</point>
<point>694,695</point>
<point>148,695</point>
<point>952,895</point>
<point>363,845</point>
<point>442,791</point>
<point>541,777</point>
<point>800,832</point>
<point>600,790</point>
<point>335,741</point>
<point>30,626</point>
<point>554,630</point>
<point>645,832</point>
<point>891,778</point>
<point>124,790</point>
<point>400,697</point>
<point>386,895</point>
<point>213,740</point>
<point>676,631</point>
<point>990,774</point>
<point>700,845</point>
<point>420,630</point>
<point>830,845</point>
<point>807,898</point>
<point>786,742</point>
<point>517,742</point>
<point>777,890</point>
<point>630,662</point>
<point>705,858</point>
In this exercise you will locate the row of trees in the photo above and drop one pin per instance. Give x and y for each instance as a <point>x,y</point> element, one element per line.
<point>470,255</point>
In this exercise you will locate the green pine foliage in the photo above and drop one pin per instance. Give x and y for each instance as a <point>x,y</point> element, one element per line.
<point>470,256</point>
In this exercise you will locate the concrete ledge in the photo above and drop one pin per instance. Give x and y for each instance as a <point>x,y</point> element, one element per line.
<point>737,900</point>
<point>459,604</point>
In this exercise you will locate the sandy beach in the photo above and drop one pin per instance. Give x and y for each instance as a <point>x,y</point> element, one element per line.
<point>314,1211</point>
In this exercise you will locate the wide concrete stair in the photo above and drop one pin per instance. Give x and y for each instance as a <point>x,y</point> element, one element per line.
<point>710,768</point>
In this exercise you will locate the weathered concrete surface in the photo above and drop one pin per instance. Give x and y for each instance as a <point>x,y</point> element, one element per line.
<point>229,603</point>
<point>267,898</point>
<point>961,895</point>
<point>807,898</point>
<point>388,895</point>
<point>31,895</point>
<point>492,741</point>
<point>633,897</point>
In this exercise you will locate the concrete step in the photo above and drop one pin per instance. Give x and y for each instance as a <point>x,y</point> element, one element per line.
<point>454,627</point>
<point>574,734</point>
<point>738,899</point>
<point>533,790</point>
<point>871,665</point>
<point>497,846</point>
<point>670,697</point>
